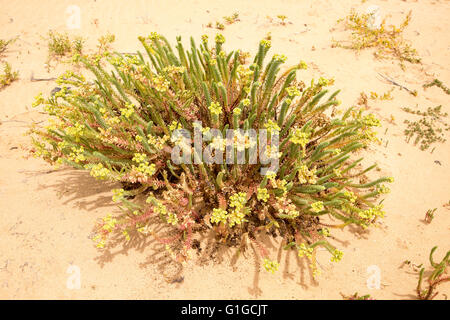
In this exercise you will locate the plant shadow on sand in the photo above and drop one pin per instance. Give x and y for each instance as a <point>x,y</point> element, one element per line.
<point>79,188</point>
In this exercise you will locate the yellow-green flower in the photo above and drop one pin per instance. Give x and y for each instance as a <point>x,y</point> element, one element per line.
<point>266,43</point>
<point>270,265</point>
<point>220,38</point>
<point>317,206</point>
<point>118,194</point>
<point>215,108</point>
<point>263,194</point>
<point>337,255</point>
<point>271,126</point>
<point>303,250</point>
<point>238,200</point>
<point>246,102</point>
<point>306,175</point>
<point>303,65</point>
<point>292,91</point>
<point>325,232</point>
<point>219,215</point>
<point>172,218</point>
<point>300,137</point>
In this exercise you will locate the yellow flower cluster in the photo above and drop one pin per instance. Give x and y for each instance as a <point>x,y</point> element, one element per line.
<point>109,224</point>
<point>325,82</point>
<point>77,154</point>
<point>293,91</point>
<point>243,141</point>
<point>144,166</point>
<point>272,126</point>
<point>371,120</point>
<point>350,196</point>
<point>220,38</point>
<point>303,65</point>
<point>285,207</point>
<point>325,232</point>
<point>76,131</point>
<point>172,218</point>
<point>270,265</point>
<point>307,176</point>
<point>219,215</point>
<point>299,137</point>
<point>215,108</point>
<point>98,171</point>
<point>237,201</point>
<point>337,173</point>
<point>371,213</point>
<point>157,142</point>
<point>279,184</point>
<point>161,84</point>
<point>279,57</point>
<point>317,206</point>
<point>266,43</point>
<point>244,73</point>
<point>174,70</point>
<point>128,111</point>
<point>118,194</point>
<point>263,194</point>
<point>271,175</point>
<point>38,100</point>
<point>246,102</point>
<point>160,209</point>
<point>175,125</point>
<point>303,250</point>
<point>337,255</point>
<point>154,36</point>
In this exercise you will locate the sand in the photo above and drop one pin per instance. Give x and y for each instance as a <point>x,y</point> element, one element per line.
<point>47,215</point>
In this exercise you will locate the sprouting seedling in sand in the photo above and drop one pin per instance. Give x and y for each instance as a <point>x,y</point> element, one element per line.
<point>437,277</point>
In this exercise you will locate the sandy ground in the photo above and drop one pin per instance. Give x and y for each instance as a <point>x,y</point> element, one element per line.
<point>47,216</point>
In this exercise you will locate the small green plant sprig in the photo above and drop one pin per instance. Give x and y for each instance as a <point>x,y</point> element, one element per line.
<point>5,43</point>
<point>227,19</point>
<point>8,76</point>
<point>437,277</point>
<point>59,44</point>
<point>429,129</point>
<point>231,19</point>
<point>120,127</point>
<point>438,83</point>
<point>387,40</point>
<point>429,215</point>
<point>282,19</point>
<point>356,296</point>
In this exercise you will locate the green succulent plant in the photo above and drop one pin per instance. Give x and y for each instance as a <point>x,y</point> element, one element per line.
<point>120,124</point>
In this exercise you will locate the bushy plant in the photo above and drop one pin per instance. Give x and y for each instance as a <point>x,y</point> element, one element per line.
<point>7,76</point>
<point>5,43</point>
<point>387,40</point>
<point>123,126</point>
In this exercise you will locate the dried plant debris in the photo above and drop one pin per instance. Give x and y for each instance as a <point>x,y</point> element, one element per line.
<point>429,129</point>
